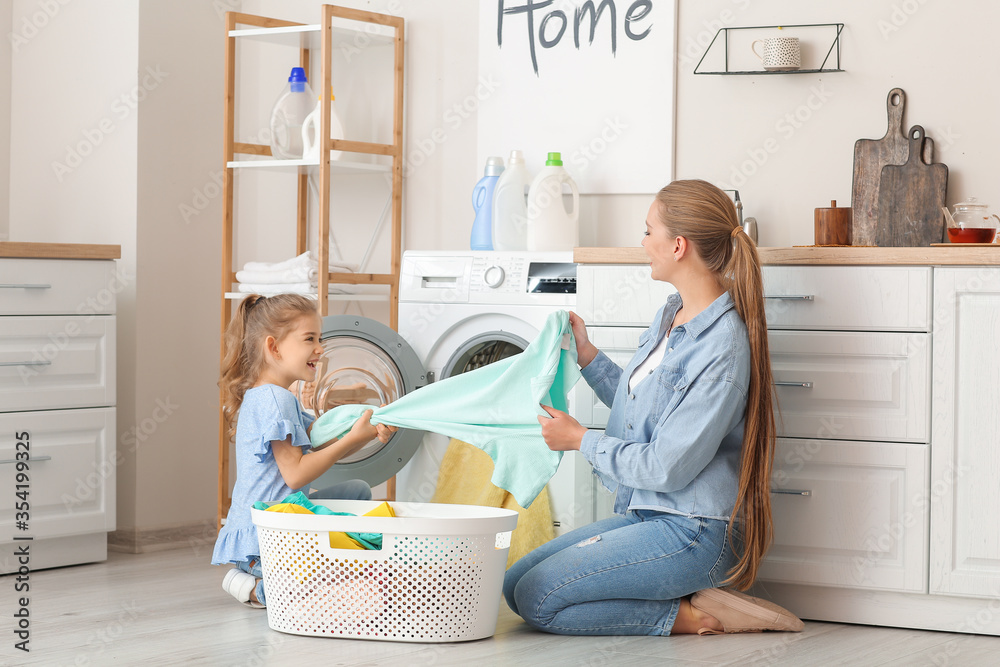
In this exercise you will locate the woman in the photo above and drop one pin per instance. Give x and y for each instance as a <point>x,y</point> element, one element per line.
<point>688,447</point>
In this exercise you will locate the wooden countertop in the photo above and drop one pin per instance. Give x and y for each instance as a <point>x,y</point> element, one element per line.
<point>59,250</point>
<point>930,256</point>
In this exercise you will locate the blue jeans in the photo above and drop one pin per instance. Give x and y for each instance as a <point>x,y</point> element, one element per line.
<point>621,576</point>
<point>353,489</point>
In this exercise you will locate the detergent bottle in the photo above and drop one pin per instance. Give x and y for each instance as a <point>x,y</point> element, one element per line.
<point>310,131</point>
<point>550,225</point>
<point>482,201</point>
<point>291,109</point>
<point>510,206</point>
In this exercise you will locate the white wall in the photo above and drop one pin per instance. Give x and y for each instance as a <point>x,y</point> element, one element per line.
<point>6,28</point>
<point>73,153</point>
<point>180,61</point>
<point>938,53</point>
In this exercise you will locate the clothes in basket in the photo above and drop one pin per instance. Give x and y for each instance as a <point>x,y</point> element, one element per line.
<point>299,503</point>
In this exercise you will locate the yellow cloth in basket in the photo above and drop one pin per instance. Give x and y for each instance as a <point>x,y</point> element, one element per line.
<point>465,479</point>
<point>338,540</point>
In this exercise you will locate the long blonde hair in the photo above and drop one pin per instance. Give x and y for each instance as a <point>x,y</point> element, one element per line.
<point>256,318</point>
<point>706,217</point>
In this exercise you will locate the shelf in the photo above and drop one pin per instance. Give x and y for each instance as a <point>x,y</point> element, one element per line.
<point>822,68</point>
<point>339,166</point>
<point>308,36</point>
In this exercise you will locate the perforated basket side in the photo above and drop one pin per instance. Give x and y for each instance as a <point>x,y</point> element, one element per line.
<point>417,588</point>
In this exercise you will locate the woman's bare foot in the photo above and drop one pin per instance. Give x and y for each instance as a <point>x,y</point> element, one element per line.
<point>690,620</point>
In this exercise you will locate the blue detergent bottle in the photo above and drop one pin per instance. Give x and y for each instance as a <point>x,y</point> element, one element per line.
<point>482,201</point>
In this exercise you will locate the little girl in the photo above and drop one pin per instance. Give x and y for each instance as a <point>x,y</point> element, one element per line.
<point>271,343</point>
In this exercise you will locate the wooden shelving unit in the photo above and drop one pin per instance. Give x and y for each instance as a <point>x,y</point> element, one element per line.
<point>380,28</point>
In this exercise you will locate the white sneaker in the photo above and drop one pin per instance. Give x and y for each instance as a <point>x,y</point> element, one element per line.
<point>239,584</point>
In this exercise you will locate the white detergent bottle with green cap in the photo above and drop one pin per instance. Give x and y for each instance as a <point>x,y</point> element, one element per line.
<point>550,225</point>
<point>510,205</point>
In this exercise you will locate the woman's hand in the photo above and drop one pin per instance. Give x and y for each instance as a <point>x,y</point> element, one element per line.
<point>384,431</point>
<point>562,433</point>
<point>585,350</point>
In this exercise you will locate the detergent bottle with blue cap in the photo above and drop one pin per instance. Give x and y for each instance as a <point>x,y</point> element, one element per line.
<point>551,226</point>
<point>482,202</point>
<point>294,104</point>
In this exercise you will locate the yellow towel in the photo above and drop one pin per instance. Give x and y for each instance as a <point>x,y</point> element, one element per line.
<point>465,479</point>
<point>337,540</point>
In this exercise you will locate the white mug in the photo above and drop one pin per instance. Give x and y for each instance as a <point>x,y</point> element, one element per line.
<point>780,53</point>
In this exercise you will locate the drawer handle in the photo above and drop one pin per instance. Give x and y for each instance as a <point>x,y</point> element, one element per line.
<point>25,286</point>
<point>807,385</point>
<point>33,458</point>
<point>790,297</point>
<point>793,492</point>
<point>26,363</point>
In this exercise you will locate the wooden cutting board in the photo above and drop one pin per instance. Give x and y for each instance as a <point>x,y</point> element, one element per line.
<point>910,199</point>
<point>870,156</point>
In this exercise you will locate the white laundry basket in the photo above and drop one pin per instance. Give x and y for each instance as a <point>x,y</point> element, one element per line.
<point>437,578</point>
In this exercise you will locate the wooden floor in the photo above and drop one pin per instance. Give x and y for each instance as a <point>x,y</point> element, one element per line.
<point>169,608</point>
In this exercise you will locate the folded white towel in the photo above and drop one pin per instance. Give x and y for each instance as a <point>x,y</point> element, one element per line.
<point>270,289</point>
<point>307,260</point>
<point>298,274</point>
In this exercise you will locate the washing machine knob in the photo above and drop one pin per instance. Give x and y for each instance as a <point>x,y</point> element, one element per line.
<point>493,276</point>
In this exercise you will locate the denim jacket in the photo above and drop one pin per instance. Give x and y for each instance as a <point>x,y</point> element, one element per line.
<point>673,444</point>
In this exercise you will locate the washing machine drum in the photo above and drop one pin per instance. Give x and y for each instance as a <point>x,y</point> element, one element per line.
<point>366,362</point>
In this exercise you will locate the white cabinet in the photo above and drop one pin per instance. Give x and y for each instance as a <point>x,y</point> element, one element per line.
<point>965,462</point>
<point>852,385</point>
<point>57,398</point>
<point>851,365</point>
<point>844,516</point>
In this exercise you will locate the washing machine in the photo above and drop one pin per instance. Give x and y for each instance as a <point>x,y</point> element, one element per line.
<point>460,311</point>
<point>457,312</point>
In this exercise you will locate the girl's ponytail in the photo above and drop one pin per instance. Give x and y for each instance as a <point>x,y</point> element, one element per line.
<point>235,376</point>
<point>256,318</point>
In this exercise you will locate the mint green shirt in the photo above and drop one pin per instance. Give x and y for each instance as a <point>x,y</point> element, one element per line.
<point>495,408</point>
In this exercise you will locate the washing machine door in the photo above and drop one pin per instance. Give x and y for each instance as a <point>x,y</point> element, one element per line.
<point>364,361</point>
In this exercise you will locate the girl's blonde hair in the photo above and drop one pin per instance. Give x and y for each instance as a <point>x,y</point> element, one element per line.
<point>705,216</point>
<point>256,318</point>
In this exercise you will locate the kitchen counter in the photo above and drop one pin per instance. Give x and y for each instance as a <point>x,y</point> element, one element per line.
<point>930,256</point>
<point>59,250</point>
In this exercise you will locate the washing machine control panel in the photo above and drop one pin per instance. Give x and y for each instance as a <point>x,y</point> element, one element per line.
<point>501,273</point>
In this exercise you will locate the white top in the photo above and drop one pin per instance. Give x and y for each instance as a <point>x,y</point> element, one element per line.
<point>646,368</point>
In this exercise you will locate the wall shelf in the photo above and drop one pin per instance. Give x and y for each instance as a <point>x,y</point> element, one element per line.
<point>309,36</point>
<point>337,166</point>
<point>834,48</point>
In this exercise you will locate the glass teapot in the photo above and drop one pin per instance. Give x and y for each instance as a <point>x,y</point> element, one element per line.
<point>971,223</point>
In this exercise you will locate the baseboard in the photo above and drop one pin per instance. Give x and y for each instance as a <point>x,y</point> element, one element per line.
<point>199,536</point>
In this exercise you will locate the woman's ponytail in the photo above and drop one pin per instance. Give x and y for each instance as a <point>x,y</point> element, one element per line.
<point>706,217</point>
<point>753,498</point>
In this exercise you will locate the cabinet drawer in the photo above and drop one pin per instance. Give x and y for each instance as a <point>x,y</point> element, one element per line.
<point>620,344</point>
<point>71,475</point>
<point>56,362</point>
<point>619,294</point>
<point>848,298</point>
<point>57,287</point>
<point>852,386</point>
<point>852,514</point>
